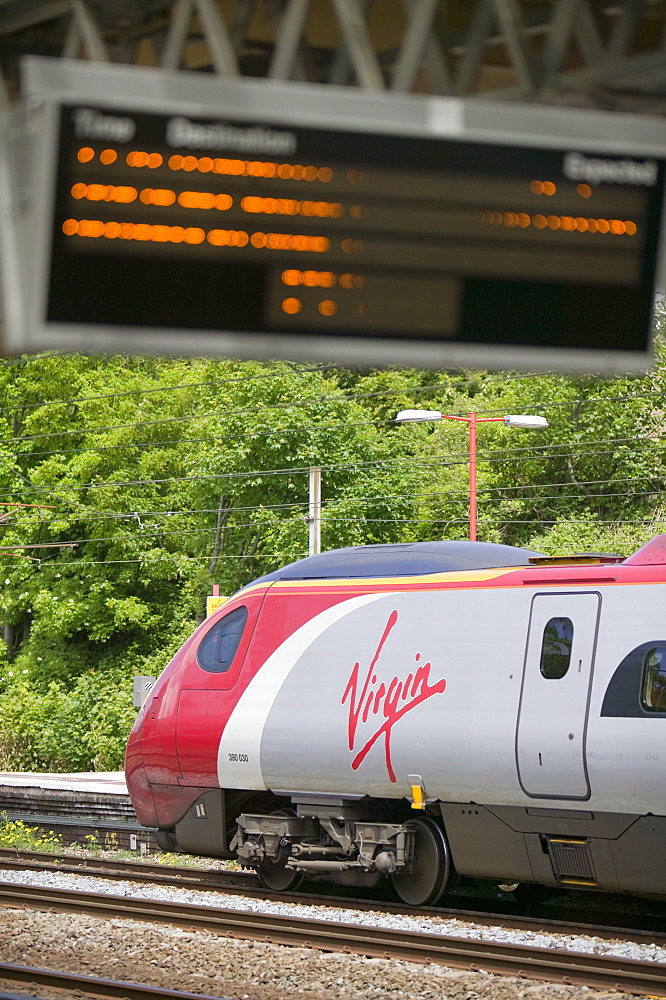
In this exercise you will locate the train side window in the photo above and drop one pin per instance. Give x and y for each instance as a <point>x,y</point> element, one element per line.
<point>653,680</point>
<point>218,647</point>
<point>556,648</point>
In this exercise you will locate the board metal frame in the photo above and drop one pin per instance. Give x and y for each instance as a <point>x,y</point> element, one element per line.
<point>47,84</point>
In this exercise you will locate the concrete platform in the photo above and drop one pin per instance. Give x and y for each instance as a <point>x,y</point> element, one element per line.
<point>74,806</point>
<point>100,782</point>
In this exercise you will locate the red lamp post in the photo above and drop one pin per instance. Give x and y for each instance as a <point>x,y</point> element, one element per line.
<point>511,420</point>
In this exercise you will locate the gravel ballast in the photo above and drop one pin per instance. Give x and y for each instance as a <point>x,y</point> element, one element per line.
<point>199,961</point>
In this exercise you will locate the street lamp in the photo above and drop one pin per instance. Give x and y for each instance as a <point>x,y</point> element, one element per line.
<point>511,420</point>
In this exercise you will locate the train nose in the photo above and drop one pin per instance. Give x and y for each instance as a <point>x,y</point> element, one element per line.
<point>138,786</point>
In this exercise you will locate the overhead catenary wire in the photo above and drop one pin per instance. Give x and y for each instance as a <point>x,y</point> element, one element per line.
<point>297,404</point>
<point>503,455</point>
<point>322,367</point>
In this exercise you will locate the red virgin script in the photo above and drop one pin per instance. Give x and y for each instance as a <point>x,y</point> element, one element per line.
<point>391,703</point>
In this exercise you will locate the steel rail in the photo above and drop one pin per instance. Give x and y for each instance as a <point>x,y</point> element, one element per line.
<point>570,968</point>
<point>246,884</point>
<point>71,982</point>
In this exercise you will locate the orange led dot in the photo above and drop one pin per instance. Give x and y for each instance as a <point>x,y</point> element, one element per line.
<point>536,187</point>
<point>630,228</point>
<point>581,224</point>
<point>584,190</point>
<point>291,277</point>
<point>539,221</point>
<point>189,163</point>
<point>324,174</point>
<point>567,223</point>
<point>124,195</point>
<point>112,230</point>
<point>255,168</point>
<point>96,192</point>
<point>177,234</point>
<point>154,160</point>
<point>327,307</point>
<point>549,188</point>
<point>223,202</point>
<point>617,227</point>
<point>163,196</point>
<point>310,278</point>
<point>85,154</point>
<point>292,306</point>
<point>310,174</point>
<point>194,235</point>
<point>591,225</point>
<point>241,239</point>
<point>141,231</point>
<point>300,243</point>
<point>127,231</point>
<point>270,169</point>
<point>108,156</point>
<point>497,218</point>
<point>327,279</point>
<point>297,172</point>
<point>258,240</point>
<point>205,164</point>
<point>236,167</point>
<point>175,161</point>
<point>347,246</point>
<point>69,227</point>
<point>322,244</point>
<point>507,219</point>
<point>346,280</point>
<point>603,225</point>
<point>553,222</point>
<point>308,208</point>
<point>356,211</point>
<point>161,234</point>
<point>79,191</point>
<point>524,220</point>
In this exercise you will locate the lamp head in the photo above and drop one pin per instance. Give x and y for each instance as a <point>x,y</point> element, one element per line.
<point>417,415</point>
<point>525,420</point>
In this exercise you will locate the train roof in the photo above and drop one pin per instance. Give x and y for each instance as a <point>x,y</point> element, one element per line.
<point>403,559</point>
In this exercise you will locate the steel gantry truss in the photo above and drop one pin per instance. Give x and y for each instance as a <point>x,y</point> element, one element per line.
<point>584,53</point>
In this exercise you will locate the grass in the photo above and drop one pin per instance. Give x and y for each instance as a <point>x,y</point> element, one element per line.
<point>17,835</point>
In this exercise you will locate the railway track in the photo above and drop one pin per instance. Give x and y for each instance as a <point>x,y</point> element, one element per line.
<point>639,929</point>
<point>566,967</point>
<point>36,979</point>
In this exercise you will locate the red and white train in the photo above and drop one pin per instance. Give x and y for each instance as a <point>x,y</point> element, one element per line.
<point>421,711</point>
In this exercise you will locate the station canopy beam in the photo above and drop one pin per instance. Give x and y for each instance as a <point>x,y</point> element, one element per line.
<point>576,53</point>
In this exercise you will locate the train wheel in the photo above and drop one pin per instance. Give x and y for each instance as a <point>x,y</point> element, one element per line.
<point>275,874</point>
<point>432,868</point>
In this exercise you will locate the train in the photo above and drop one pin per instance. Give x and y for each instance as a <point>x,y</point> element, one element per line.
<point>421,712</point>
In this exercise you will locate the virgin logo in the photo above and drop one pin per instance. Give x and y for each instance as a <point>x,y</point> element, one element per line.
<point>382,705</point>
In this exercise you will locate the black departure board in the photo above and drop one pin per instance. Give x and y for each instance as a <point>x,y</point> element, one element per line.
<point>182,222</point>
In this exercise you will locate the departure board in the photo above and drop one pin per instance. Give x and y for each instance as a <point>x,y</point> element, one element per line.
<point>201,224</point>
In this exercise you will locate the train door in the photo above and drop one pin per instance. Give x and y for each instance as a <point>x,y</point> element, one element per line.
<point>552,717</point>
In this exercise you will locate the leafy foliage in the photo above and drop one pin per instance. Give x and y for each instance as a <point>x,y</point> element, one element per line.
<point>145,480</point>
